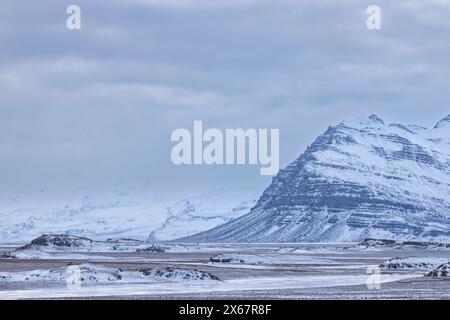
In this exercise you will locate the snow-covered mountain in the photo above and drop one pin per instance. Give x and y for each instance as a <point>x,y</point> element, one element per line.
<point>188,217</point>
<point>116,214</point>
<point>121,213</point>
<point>360,179</point>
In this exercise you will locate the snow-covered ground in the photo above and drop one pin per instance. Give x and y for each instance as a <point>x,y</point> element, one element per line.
<point>223,270</point>
<point>231,286</point>
<point>92,274</point>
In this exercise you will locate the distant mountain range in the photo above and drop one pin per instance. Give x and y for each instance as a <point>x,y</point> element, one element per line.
<point>122,213</point>
<point>359,179</point>
<point>190,216</point>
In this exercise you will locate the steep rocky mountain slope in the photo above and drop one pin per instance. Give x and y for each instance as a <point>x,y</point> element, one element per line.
<point>359,179</point>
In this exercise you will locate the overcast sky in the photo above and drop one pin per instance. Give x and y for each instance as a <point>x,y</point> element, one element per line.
<point>92,108</point>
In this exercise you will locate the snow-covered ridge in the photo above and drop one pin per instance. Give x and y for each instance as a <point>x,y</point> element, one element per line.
<point>413,263</point>
<point>62,247</point>
<point>359,179</point>
<point>53,246</point>
<point>443,271</point>
<point>68,243</point>
<point>187,217</point>
<point>443,122</point>
<point>176,274</point>
<point>398,244</point>
<point>92,274</point>
<point>122,213</point>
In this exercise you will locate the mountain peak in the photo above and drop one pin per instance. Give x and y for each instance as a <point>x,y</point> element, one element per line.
<point>357,180</point>
<point>375,118</point>
<point>366,121</point>
<point>443,122</point>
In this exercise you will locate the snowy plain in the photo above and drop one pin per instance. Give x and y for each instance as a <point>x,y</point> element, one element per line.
<point>200,271</point>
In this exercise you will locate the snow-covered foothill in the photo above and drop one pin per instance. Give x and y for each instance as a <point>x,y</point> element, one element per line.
<point>92,274</point>
<point>412,263</point>
<point>443,271</point>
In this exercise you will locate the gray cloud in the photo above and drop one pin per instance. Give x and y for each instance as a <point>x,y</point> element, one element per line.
<point>97,106</point>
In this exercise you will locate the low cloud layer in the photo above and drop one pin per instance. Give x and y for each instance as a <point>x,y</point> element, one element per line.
<point>95,107</point>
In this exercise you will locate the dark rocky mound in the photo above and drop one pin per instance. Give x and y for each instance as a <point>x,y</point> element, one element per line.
<point>7,255</point>
<point>443,271</point>
<point>152,248</point>
<point>225,259</point>
<point>395,243</point>
<point>58,240</point>
<point>169,273</point>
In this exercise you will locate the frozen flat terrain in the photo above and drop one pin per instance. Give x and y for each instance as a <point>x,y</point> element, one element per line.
<point>215,271</point>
